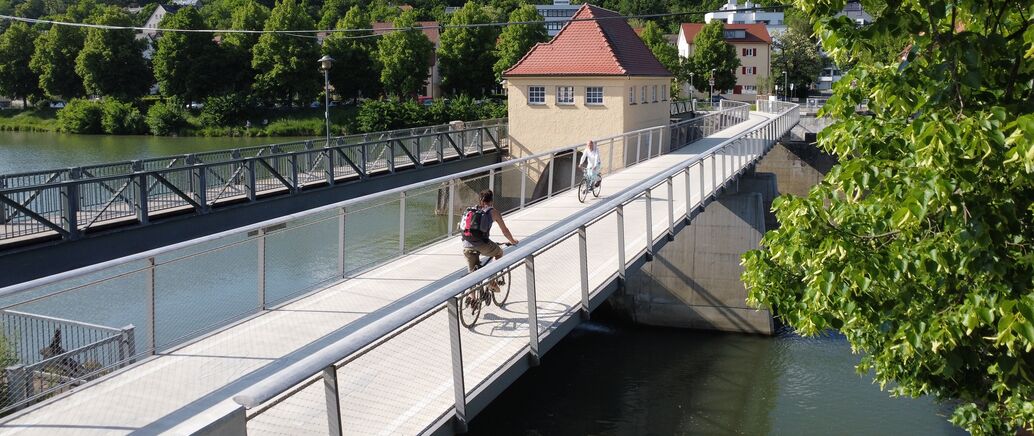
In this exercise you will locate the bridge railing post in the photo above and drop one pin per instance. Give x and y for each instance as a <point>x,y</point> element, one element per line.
<point>574,166</point>
<point>620,211</point>
<point>649,224</point>
<point>552,164</point>
<point>671,210</point>
<point>533,319</point>
<point>261,259</point>
<point>328,164</point>
<point>452,206</point>
<point>524,182</point>
<point>689,193</point>
<point>141,197</point>
<point>583,268</point>
<point>491,179</point>
<point>341,243</point>
<point>402,222</point>
<point>459,390</point>
<point>70,195</point>
<point>714,175</point>
<point>330,391</point>
<point>152,332</point>
<point>251,180</point>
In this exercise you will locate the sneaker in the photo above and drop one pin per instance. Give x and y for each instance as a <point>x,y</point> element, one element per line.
<point>493,286</point>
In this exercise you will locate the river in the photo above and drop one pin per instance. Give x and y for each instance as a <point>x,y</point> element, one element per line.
<point>607,377</point>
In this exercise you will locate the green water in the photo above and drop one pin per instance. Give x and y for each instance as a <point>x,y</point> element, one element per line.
<point>30,151</point>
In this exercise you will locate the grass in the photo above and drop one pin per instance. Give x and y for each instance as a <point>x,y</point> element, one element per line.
<point>284,122</point>
<point>28,120</point>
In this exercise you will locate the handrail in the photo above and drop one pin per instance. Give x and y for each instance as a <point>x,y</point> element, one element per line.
<point>26,286</point>
<point>386,134</point>
<point>316,362</point>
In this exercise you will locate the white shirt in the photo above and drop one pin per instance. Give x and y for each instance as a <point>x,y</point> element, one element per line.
<point>591,158</point>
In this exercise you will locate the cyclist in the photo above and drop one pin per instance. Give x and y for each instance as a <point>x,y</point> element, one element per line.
<point>590,163</point>
<point>475,240</point>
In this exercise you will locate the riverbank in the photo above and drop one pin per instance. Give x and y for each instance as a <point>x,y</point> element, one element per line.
<point>271,122</point>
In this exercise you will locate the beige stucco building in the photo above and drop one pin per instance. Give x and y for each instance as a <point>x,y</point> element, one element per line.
<point>753,47</point>
<point>594,79</point>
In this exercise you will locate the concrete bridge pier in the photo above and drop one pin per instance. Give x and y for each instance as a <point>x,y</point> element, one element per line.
<point>694,280</point>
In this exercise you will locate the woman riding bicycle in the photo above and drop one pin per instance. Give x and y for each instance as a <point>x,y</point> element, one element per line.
<point>590,163</point>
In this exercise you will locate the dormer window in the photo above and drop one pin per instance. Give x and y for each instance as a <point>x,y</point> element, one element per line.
<point>735,34</point>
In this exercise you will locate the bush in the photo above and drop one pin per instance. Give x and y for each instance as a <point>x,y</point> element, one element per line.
<point>121,118</point>
<point>224,110</point>
<point>166,118</point>
<point>377,115</point>
<point>81,116</point>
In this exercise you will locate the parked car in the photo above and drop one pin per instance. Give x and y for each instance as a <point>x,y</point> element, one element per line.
<point>57,104</point>
<point>717,98</point>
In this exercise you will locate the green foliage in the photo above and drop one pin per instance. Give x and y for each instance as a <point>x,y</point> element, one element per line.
<point>466,55</point>
<point>16,48</point>
<point>30,120</point>
<point>334,10</point>
<point>224,110</point>
<point>166,118</point>
<point>390,114</point>
<point>121,118</point>
<point>516,40</point>
<point>357,68</point>
<point>237,47</point>
<point>81,116</point>
<point>919,244</point>
<point>404,56</point>
<point>712,52</point>
<point>186,65</point>
<point>665,52</point>
<point>286,65</point>
<point>54,61</point>
<point>219,13</point>
<point>111,62</point>
<point>796,54</point>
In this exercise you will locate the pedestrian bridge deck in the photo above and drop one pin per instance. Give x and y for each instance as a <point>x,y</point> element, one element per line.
<point>403,386</point>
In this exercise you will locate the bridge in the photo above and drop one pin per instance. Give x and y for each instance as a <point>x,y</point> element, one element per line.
<point>226,345</point>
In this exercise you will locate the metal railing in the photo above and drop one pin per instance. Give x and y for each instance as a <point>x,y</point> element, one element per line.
<point>70,201</point>
<point>45,355</point>
<point>314,379</point>
<point>185,290</point>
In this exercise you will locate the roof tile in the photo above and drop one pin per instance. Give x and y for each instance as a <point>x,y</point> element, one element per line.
<point>602,47</point>
<point>756,33</point>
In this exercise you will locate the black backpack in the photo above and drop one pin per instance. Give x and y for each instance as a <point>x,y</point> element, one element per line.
<point>474,223</point>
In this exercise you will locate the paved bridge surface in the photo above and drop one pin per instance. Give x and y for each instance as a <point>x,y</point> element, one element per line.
<point>403,383</point>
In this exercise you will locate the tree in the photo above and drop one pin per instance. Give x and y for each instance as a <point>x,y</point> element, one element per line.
<point>54,61</point>
<point>466,55</point>
<point>334,10</point>
<point>359,69</point>
<point>186,65</point>
<point>16,78</point>
<point>219,13</point>
<point>404,57</point>
<point>664,51</point>
<point>111,62</point>
<point>797,55</point>
<point>919,244</point>
<point>286,65</point>
<point>712,52</point>
<point>237,47</point>
<point>517,39</point>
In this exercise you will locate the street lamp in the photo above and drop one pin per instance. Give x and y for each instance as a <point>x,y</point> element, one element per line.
<point>785,97</point>
<point>325,62</point>
<point>711,96</point>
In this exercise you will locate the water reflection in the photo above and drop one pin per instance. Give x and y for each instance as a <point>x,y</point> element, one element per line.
<point>610,377</point>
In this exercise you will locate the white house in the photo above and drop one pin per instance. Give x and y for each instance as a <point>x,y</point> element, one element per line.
<point>773,21</point>
<point>556,15</point>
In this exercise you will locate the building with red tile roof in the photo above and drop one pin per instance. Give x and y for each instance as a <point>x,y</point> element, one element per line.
<point>594,79</point>
<point>753,46</point>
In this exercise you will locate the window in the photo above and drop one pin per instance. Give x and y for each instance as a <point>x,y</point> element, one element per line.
<point>642,97</point>
<point>655,93</point>
<point>748,71</point>
<point>664,92</point>
<point>750,89</point>
<point>594,95</point>
<point>631,95</point>
<point>536,95</point>
<point>749,52</point>
<point>565,95</point>
<point>735,34</point>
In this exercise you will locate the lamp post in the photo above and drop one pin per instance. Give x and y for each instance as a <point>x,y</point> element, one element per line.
<point>325,63</point>
<point>785,78</point>
<point>692,89</point>
<point>712,86</point>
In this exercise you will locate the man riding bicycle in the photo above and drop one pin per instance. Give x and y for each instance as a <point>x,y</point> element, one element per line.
<point>590,163</point>
<point>476,225</point>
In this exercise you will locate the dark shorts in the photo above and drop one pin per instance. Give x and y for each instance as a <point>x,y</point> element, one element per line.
<point>473,254</point>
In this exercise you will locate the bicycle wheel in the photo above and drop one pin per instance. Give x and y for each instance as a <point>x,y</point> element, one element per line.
<point>596,188</point>
<point>583,191</point>
<point>503,280</point>
<point>470,306</point>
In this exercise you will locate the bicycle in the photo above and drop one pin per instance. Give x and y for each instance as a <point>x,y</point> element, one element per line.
<point>481,295</point>
<point>589,185</point>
